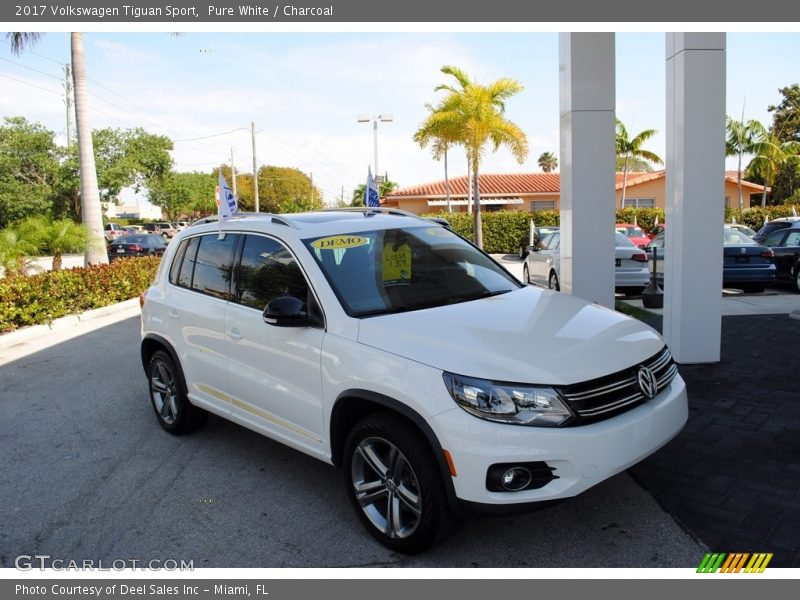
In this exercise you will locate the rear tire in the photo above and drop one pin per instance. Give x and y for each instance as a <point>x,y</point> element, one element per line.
<point>526,275</point>
<point>168,397</point>
<point>394,484</point>
<point>552,282</point>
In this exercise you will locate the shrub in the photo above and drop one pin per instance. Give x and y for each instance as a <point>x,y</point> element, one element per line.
<point>41,298</point>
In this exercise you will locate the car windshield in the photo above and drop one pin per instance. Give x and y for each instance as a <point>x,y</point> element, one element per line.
<point>631,231</point>
<point>621,240</point>
<point>734,237</point>
<point>398,270</point>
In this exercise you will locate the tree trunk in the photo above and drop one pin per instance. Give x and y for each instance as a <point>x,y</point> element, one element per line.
<point>56,262</point>
<point>478,225</point>
<point>739,182</point>
<point>624,181</point>
<point>447,183</point>
<point>469,186</point>
<point>764,194</point>
<point>91,210</point>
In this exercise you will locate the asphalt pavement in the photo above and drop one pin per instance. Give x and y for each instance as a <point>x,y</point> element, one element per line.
<point>87,473</point>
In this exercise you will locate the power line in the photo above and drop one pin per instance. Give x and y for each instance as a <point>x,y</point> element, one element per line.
<point>18,64</point>
<point>30,84</point>
<point>213,135</point>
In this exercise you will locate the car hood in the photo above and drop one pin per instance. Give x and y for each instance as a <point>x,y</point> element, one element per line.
<point>525,336</point>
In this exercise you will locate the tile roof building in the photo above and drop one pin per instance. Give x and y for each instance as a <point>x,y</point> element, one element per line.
<point>541,191</point>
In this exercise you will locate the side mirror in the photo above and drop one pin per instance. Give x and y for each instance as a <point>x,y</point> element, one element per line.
<point>287,311</point>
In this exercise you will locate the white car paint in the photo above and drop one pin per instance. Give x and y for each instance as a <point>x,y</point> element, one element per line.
<point>284,382</point>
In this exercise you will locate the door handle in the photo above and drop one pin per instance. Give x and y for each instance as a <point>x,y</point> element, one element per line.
<point>235,334</point>
<point>173,314</point>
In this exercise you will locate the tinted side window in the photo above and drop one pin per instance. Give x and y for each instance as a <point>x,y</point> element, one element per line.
<point>187,266</point>
<point>213,266</point>
<point>177,261</point>
<point>267,271</point>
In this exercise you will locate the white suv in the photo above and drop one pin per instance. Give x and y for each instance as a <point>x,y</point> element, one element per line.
<point>389,346</point>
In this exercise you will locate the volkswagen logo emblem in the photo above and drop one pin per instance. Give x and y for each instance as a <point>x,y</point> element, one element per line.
<point>647,382</point>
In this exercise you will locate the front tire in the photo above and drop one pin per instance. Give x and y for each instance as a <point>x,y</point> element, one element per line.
<point>394,484</point>
<point>526,274</point>
<point>168,397</point>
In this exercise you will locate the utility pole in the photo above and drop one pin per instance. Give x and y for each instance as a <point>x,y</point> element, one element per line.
<point>233,173</point>
<point>68,101</point>
<point>342,201</point>
<point>311,179</point>
<point>255,165</point>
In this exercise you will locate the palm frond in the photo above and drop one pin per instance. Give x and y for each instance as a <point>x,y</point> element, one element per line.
<point>20,40</point>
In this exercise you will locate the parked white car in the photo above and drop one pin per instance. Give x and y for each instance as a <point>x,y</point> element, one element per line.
<point>389,346</point>
<point>543,263</point>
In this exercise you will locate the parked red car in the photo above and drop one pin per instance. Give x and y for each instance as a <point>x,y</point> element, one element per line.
<point>634,233</point>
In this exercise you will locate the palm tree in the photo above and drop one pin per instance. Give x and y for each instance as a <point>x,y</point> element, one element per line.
<point>744,137</point>
<point>15,247</point>
<point>56,237</point>
<point>90,196</point>
<point>628,148</point>
<point>476,111</point>
<point>772,154</point>
<point>548,162</point>
<point>436,133</point>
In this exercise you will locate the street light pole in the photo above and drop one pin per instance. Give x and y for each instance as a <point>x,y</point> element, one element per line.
<point>385,118</point>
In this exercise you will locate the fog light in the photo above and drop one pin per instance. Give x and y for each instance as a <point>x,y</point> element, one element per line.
<point>516,479</point>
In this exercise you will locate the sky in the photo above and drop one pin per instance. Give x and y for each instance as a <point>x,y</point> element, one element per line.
<point>305,91</point>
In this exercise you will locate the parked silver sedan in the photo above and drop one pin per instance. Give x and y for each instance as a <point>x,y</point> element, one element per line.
<point>543,263</point>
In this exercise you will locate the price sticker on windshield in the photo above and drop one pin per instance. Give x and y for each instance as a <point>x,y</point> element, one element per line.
<point>339,242</point>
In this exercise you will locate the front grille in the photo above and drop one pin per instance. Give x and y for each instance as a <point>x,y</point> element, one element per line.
<point>613,394</point>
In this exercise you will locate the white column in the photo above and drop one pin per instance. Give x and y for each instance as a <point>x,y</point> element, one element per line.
<point>586,70</point>
<point>694,195</point>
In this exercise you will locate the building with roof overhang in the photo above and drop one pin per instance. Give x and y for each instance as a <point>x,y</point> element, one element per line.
<point>541,191</point>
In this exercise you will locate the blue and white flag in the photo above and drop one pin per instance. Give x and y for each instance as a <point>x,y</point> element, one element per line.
<point>226,202</point>
<point>371,196</point>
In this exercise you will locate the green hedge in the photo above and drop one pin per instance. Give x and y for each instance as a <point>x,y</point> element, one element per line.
<point>504,230</point>
<point>37,299</point>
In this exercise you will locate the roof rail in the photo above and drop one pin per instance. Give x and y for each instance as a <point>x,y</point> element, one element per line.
<point>277,219</point>
<point>373,209</point>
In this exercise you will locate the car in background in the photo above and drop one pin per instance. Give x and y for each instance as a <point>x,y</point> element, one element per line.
<point>146,244</point>
<point>167,230</point>
<point>775,225</point>
<point>152,228</point>
<point>744,229</point>
<point>634,233</point>
<point>785,244</point>
<point>538,234</point>
<point>543,264</point>
<point>112,231</point>
<point>180,225</point>
<point>746,265</point>
<point>134,229</point>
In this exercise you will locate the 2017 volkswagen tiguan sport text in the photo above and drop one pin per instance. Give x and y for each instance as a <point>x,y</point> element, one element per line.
<point>387,345</point>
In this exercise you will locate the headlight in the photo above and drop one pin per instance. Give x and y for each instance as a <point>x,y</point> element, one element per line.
<point>507,402</point>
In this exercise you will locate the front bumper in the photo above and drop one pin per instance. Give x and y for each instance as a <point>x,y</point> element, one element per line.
<point>582,456</point>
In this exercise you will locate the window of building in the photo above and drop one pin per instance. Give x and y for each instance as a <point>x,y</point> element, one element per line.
<point>539,205</point>
<point>639,203</point>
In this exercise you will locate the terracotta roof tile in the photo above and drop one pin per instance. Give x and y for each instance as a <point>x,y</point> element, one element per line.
<point>493,184</point>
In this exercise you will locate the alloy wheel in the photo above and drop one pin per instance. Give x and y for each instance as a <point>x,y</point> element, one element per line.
<point>164,390</point>
<point>386,487</point>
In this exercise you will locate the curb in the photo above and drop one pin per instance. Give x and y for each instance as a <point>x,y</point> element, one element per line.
<point>35,331</point>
